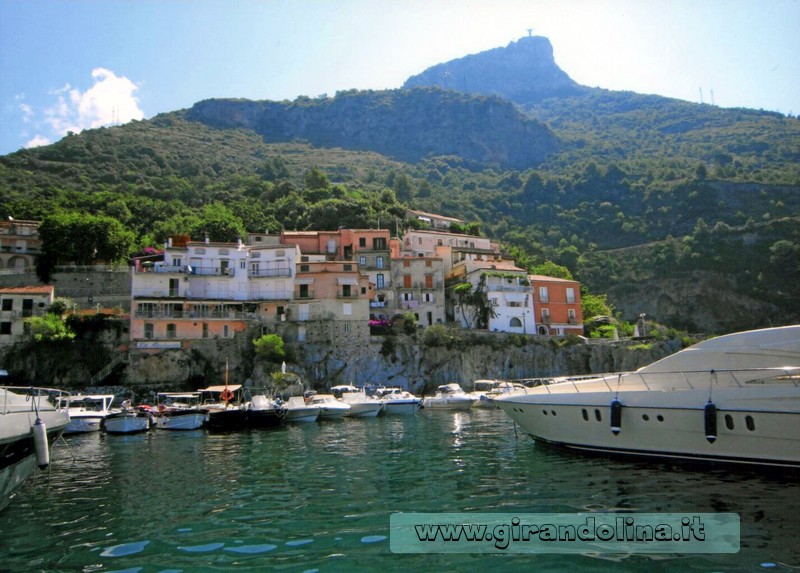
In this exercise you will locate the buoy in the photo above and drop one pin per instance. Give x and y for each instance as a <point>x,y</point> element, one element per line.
<point>616,416</point>
<point>40,443</point>
<point>710,414</point>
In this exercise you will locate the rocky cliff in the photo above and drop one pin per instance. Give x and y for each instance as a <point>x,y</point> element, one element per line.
<point>524,72</point>
<point>408,125</point>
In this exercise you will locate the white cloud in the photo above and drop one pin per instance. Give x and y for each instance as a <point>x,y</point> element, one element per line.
<point>110,101</point>
<point>37,141</point>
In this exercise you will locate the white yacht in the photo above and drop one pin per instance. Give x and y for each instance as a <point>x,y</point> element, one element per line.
<point>485,391</point>
<point>734,398</point>
<point>128,421</point>
<point>361,405</point>
<point>329,407</point>
<point>30,420</point>
<point>297,410</point>
<point>398,401</point>
<point>87,413</point>
<point>449,397</point>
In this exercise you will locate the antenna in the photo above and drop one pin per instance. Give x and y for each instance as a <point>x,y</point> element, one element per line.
<point>701,95</point>
<point>712,97</point>
<point>530,31</point>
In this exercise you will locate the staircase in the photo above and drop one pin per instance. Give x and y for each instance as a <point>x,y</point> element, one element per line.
<point>103,373</point>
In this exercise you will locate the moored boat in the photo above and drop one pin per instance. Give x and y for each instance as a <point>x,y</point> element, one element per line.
<point>31,419</point>
<point>128,421</point>
<point>264,412</point>
<point>87,413</point>
<point>180,411</point>
<point>329,407</point>
<point>449,397</point>
<point>296,409</point>
<point>734,398</point>
<point>398,401</point>
<point>361,405</point>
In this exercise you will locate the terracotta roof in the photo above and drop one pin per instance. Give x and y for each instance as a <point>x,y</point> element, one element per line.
<point>545,278</point>
<point>44,289</point>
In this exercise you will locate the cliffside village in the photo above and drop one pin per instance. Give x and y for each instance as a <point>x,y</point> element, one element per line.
<point>312,286</point>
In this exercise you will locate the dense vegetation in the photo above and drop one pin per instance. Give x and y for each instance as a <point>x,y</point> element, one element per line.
<point>640,188</point>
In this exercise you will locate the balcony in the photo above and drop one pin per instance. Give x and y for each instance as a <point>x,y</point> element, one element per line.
<point>408,304</point>
<point>269,273</point>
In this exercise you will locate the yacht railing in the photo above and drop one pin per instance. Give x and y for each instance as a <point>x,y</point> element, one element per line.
<point>682,380</point>
<point>33,395</point>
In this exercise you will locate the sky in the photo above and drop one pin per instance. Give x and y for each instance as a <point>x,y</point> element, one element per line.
<point>69,65</point>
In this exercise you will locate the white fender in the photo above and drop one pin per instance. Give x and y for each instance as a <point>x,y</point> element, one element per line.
<point>40,443</point>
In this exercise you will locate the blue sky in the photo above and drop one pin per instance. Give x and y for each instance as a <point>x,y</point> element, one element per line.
<point>69,65</point>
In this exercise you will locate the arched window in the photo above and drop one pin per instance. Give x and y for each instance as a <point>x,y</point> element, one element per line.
<point>515,322</point>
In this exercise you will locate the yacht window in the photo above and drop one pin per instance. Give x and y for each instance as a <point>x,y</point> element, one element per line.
<point>750,422</point>
<point>585,414</point>
<point>597,415</point>
<point>645,417</point>
<point>660,418</point>
<point>729,421</point>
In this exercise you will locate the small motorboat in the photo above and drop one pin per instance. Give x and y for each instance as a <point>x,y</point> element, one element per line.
<point>398,401</point>
<point>180,411</point>
<point>329,407</point>
<point>295,409</point>
<point>449,397</point>
<point>87,413</point>
<point>128,421</point>
<point>361,405</point>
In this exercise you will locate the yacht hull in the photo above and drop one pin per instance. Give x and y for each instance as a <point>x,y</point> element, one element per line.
<point>750,425</point>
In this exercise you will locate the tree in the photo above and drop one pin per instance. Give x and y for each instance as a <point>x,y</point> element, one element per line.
<point>218,223</point>
<point>270,346</point>
<point>477,301</point>
<point>49,328</point>
<point>316,179</point>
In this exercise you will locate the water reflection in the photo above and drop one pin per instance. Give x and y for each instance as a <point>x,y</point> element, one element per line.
<point>319,496</point>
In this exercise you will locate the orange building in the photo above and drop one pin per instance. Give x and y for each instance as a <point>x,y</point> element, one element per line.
<point>557,304</point>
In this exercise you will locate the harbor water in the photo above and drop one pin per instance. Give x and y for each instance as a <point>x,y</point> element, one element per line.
<point>319,496</point>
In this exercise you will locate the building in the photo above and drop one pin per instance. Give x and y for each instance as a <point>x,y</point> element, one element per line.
<point>558,305</point>
<point>19,245</point>
<point>439,222</point>
<point>419,288</point>
<point>17,304</point>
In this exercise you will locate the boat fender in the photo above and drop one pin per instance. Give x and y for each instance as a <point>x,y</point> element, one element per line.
<point>40,443</point>
<point>616,416</point>
<point>710,415</point>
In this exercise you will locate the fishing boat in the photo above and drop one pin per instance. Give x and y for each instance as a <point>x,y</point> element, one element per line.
<point>31,419</point>
<point>179,411</point>
<point>361,405</point>
<point>296,409</point>
<point>87,413</point>
<point>734,398</point>
<point>449,397</point>
<point>263,410</point>
<point>225,406</point>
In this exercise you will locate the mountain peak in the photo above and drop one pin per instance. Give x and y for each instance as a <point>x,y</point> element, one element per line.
<point>524,72</point>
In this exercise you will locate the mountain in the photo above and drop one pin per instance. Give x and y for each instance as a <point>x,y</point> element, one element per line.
<point>524,72</point>
<point>408,125</point>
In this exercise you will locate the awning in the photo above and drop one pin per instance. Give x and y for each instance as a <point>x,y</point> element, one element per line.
<point>347,281</point>
<point>231,387</point>
<point>305,281</point>
<point>515,297</point>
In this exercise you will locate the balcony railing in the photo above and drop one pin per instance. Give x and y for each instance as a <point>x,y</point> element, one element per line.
<point>267,273</point>
<point>195,314</point>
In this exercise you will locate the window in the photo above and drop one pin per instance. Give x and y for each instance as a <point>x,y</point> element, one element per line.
<point>427,297</point>
<point>176,261</point>
<point>5,328</point>
<point>8,304</point>
<point>428,263</point>
<point>348,267</point>
<point>515,322</point>
<point>347,309</point>
<point>546,315</point>
<point>242,264</point>
<point>205,330</point>
<point>571,295</point>
<point>303,291</point>
<point>347,328</point>
<point>379,262</point>
<point>543,295</point>
<point>406,281</point>
<point>406,263</point>
<point>379,244</point>
<point>428,281</point>
<point>571,314</point>
<point>362,261</point>
<point>379,281</point>
<point>346,291</point>
<point>362,241</point>
<point>172,331</point>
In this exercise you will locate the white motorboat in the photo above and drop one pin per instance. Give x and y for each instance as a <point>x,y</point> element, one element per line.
<point>398,401</point>
<point>31,419</point>
<point>87,413</point>
<point>180,411</point>
<point>487,390</point>
<point>449,397</point>
<point>734,398</point>
<point>297,410</point>
<point>329,407</point>
<point>128,421</point>
<point>361,405</point>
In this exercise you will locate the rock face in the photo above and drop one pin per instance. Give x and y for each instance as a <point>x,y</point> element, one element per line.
<point>524,72</point>
<point>408,125</point>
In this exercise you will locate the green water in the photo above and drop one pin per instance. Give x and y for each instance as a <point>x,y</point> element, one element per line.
<point>317,497</point>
